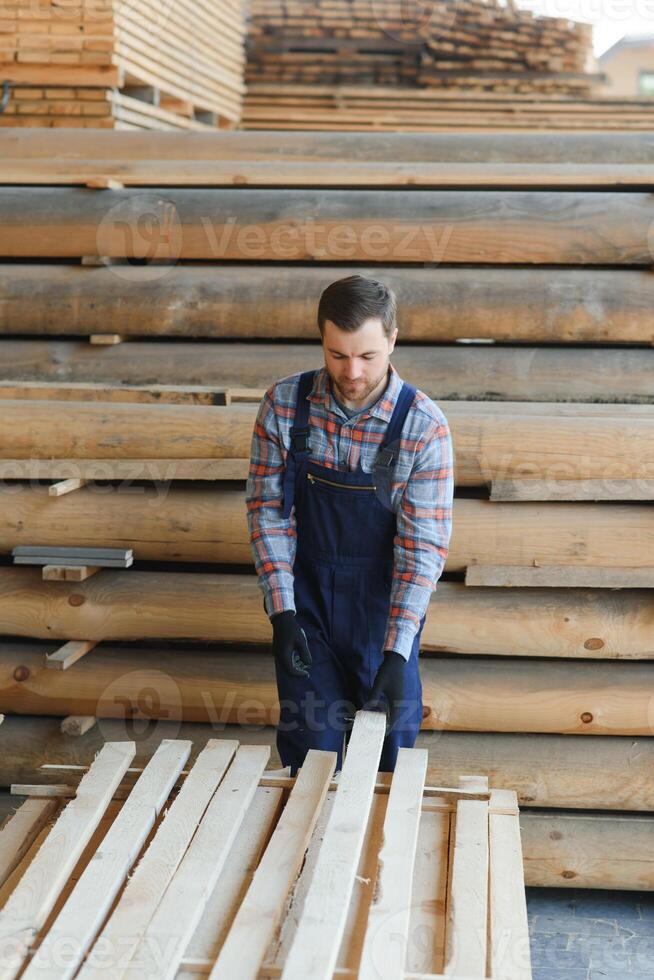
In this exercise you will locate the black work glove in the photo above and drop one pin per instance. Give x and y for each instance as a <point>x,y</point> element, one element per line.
<point>290,646</point>
<point>389,684</point>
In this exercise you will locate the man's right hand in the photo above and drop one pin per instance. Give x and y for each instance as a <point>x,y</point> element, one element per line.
<point>290,646</point>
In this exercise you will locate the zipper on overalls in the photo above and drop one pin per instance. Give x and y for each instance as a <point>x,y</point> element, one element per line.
<point>343,486</point>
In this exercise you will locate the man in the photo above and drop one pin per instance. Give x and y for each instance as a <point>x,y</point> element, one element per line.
<point>349,501</point>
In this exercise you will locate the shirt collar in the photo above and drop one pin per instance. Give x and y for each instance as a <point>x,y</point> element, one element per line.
<point>321,393</point>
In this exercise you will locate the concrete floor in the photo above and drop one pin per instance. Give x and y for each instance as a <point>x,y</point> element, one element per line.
<point>583,934</point>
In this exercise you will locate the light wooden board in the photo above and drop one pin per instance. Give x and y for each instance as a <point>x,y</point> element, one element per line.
<point>121,935</point>
<point>387,936</point>
<point>86,908</point>
<point>315,946</point>
<point>33,899</point>
<point>172,925</point>
<point>261,909</point>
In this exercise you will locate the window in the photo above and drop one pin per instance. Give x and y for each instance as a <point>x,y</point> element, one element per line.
<point>646,83</point>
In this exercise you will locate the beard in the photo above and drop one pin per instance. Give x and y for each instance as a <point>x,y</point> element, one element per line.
<point>361,392</point>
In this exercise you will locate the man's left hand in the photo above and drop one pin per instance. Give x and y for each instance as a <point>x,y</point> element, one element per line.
<point>389,684</point>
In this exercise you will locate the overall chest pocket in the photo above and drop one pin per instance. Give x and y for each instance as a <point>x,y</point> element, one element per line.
<point>345,520</point>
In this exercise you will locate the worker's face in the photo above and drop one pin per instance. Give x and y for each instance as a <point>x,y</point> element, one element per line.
<point>357,362</point>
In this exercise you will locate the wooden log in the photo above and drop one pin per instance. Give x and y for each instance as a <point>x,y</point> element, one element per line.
<point>203,524</point>
<point>454,372</point>
<point>205,607</point>
<point>250,302</point>
<point>501,227</point>
<point>588,850</point>
<point>555,443</point>
<point>534,147</point>
<point>459,694</point>
<point>564,771</point>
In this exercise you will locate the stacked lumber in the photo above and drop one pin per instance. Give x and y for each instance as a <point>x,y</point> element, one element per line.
<point>260,874</point>
<point>468,44</point>
<point>393,109</point>
<point>474,40</point>
<point>95,108</point>
<point>536,253</point>
<point>131,64</point>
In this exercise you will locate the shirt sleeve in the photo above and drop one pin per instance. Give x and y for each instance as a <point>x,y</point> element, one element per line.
<point>272,538</point>
<point>421,543</point>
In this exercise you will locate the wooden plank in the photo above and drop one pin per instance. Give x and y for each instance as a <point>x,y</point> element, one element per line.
<point>105,339</point>
<point>68,573</point>
<point>84,911</point>
<point>78,725</point>
<point>65,486</point>
<point>387,937</point>
<point>365,882</point>
<point>183,903</point>
<point>259,914</point>
<point>514,490</point>
<point>315,946</point>
<point>34,897</point>
<point>239,868</point>
<point>82,555</point>
<point>426,948</point>
<point>501,227</point>
<point>509,929</point>
<point>20,831</point>
<point>69,654</point>
<point>249,301</point>
<point>468,894</point>
<point>114,174</point>
<point>559,576</point>
<point>77,566</point>
<point>117,943</point>
<point>278,950</point>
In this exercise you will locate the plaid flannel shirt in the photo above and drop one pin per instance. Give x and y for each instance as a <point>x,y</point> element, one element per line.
<point>421,492</point>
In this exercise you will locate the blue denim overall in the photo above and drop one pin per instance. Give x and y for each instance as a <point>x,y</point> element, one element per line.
<point>343,573</point>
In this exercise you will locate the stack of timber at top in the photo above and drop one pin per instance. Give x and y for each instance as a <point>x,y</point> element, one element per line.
<point>128,64</point>
<point>542,253</point>
<point>352,65</point>
<point>469,44</point>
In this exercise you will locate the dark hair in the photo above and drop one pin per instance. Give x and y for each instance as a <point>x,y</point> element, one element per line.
<point>351,301</point>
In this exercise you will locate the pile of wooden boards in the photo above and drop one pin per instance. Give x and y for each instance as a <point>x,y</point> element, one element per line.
<point>379,109</point>
<point>441,44</point>
<point>206,257</point>
<point>144,64</point>
<point>252,874</point>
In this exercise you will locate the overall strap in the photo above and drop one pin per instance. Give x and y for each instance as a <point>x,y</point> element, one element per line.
<point>299,448</point>
<point>387,456</point>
